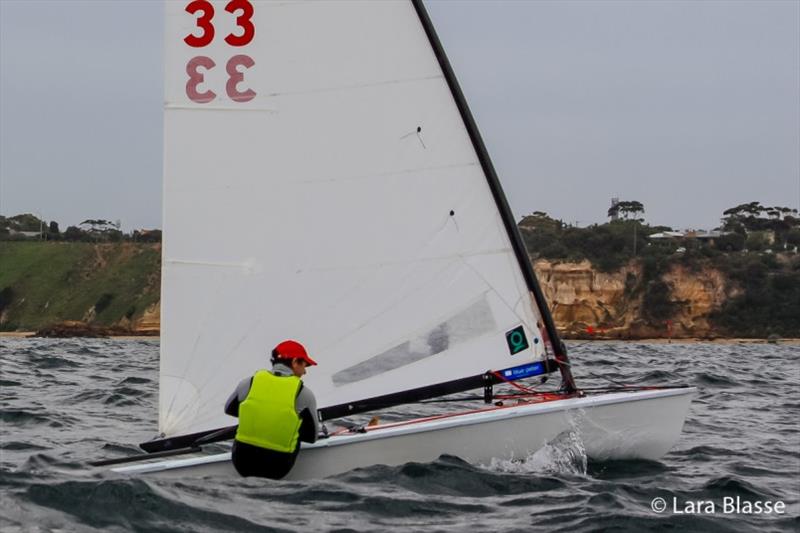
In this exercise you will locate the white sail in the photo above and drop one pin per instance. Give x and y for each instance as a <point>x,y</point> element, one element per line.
<point>333,196</point>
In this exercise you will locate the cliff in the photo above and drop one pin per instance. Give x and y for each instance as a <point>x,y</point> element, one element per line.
<point>70,288</point>
<point>63,288</point>
<point>587,303</point>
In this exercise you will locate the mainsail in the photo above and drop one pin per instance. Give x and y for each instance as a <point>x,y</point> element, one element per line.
<point>323,181</point>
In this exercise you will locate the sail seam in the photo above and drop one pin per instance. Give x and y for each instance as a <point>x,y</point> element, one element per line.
<point>204,107</point>
<point>367,85</point>
<point>390,174</point>
<point>499,251</point>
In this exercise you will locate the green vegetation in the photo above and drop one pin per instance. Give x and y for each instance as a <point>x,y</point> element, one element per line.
<point>607,246</point>
<point>625,209</point>
<point>42,283</point>
<point>28,227</point>
<point>756,248</point>
<point>770,300</point>
<point>105,277</point>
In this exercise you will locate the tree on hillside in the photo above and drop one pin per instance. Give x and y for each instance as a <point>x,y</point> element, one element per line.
<point>626,209</point>
<point>53,231</point>
<point>74,233</point>
<point>539,219</point>
<point>793,237</point>
<point>153,235</point>
<point>95,226</point>
<point>102,230</point>
<point>752,217</point>
<point>25,222</point>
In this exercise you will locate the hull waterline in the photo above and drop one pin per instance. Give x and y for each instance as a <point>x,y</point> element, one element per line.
<point>621,425</point>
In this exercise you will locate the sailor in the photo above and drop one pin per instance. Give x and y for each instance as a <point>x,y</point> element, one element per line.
<point>276,411</point>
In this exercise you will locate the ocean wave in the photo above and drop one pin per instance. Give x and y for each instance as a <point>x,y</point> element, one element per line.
<point>51,362</point>
<point>718,380</point>
<point>740,438</point>
<point>24,417</point>
<point>135,505</point>
<point>734,485</point>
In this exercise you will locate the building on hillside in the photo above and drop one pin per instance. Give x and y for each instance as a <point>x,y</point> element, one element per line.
<point>614,212</point>
<point>666,236</point>
<point>702,236</point>
<point>25,234</point>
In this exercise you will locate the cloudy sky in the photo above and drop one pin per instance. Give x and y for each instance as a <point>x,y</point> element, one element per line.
<point>689,107</point>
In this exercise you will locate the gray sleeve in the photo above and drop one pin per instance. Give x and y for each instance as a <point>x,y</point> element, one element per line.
<point>237,397</point>
<point>307,400</point>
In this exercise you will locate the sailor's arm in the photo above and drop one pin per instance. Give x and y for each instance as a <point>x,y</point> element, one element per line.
<point>237,397</point>
<point>306,405</point>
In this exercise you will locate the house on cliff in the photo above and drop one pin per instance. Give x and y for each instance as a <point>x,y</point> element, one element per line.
<point>682,237</point>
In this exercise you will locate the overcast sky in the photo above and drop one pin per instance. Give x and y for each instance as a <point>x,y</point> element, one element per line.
<point>687,107</point>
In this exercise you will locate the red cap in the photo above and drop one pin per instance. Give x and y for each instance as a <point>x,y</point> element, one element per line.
<point>294,350</point>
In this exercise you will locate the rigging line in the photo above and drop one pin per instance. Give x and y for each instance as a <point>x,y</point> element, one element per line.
<point>211,375</point>
<point>219,363</point>
<point>201,421</point>
<point>249,330</point>
<point>395,303</point>
<point>501,228</point>
<point>513,384</point>
<point>430,242</point>
<point>218,400</point>
<point>371,275</point>
<point>495,291</point>
<point>179,414</point>
<point>528,392</point>
<point>374,273</point>
<point>402,279</point>
<point>208,401</point>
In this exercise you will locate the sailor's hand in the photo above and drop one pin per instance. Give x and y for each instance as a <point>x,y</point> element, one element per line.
<point>323,432</point>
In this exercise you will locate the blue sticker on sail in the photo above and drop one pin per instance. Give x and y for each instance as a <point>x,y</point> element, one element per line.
<point>523,371</point>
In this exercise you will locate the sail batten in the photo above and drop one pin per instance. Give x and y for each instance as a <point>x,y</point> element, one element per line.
<point>360,215</point>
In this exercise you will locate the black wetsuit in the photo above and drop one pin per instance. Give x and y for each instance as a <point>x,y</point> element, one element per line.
<point>252,460</point>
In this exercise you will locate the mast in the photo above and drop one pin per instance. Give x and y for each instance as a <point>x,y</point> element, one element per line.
<point>560,350</point>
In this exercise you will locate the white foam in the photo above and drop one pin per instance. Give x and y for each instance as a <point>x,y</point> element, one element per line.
<point>565,454</point>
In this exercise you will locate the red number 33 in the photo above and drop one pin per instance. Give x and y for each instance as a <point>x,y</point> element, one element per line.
<point>235,76</point>
<point>204,22</point>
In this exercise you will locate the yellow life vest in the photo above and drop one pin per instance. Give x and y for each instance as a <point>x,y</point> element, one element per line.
<point>267,417</point>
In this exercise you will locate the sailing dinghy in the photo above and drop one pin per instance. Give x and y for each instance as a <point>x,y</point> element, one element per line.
<point>324,180</point>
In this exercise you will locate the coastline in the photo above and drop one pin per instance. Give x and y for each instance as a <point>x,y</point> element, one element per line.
<point>692,340</point>
<point>32,335</point>
<point>689,340</point>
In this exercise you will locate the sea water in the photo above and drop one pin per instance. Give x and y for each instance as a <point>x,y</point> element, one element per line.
<point>65,402</point>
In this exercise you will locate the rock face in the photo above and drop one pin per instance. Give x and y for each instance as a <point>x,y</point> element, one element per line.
<point>587,303</point>
<point>150,321</point>
<point>590,304</point>
<point>76,328</point>
<point>699,293</point>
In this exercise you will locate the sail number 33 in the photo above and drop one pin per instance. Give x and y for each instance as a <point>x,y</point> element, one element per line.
<point>197,66</point>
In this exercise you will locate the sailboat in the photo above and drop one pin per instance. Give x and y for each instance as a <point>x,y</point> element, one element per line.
<point>325,180</point>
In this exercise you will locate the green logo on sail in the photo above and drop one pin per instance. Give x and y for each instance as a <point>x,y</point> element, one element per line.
<point>516,340</point>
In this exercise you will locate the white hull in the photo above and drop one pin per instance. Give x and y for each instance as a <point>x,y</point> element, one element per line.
<point>621,425</point>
